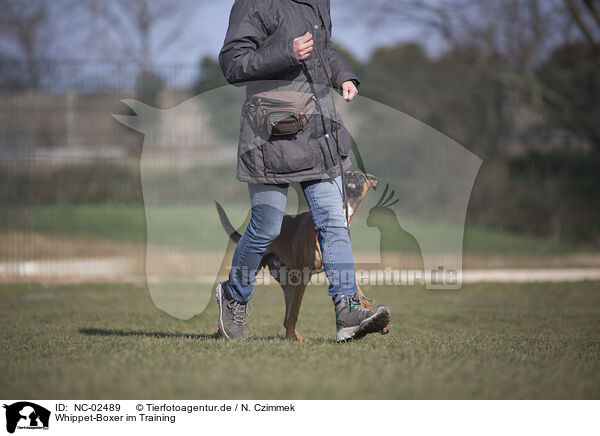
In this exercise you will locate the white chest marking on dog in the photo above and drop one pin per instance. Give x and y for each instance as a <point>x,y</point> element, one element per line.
<point>350,210</point>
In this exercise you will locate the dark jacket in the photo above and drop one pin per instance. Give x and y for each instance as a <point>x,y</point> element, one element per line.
<point>258,53</point>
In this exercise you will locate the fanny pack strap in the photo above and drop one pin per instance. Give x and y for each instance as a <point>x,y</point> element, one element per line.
<point>336,136</point>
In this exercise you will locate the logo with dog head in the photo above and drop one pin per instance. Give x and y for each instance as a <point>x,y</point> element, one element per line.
<point>26,415</point>
<point>188,159</point>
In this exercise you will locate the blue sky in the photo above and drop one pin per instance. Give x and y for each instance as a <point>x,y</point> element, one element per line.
<point>205,31</point>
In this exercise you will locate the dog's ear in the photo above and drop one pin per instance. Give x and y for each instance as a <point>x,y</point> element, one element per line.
<point>373,181</point>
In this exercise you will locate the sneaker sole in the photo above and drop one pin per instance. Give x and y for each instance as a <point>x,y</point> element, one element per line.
<point>373,324</point>
<point>219,295</point>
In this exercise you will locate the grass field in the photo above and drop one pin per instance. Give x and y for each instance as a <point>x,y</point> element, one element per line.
<point>100,341</point>
<point>185,227</point>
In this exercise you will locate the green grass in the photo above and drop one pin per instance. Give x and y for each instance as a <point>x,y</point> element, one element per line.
<point>186,226</point>
<point>98,341</point>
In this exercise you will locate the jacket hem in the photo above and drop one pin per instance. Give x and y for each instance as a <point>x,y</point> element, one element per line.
<point>276,179</point>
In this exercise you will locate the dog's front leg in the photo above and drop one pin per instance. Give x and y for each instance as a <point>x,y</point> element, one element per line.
<point>292,293</point>
<point>293,300</point>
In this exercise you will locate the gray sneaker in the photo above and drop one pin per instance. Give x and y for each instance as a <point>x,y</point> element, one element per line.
<point>353,321</point>
<point>232,317</point>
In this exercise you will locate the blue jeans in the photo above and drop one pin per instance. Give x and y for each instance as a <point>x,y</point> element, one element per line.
<point>324,198</point>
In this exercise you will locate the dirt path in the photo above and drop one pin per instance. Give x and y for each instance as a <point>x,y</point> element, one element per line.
<point>41,257</point>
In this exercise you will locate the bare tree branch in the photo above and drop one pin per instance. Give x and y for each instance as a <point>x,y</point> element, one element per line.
<point>131,25</point>
<point>593,8</point>
<point>518,31</point>
<point>581,24</point>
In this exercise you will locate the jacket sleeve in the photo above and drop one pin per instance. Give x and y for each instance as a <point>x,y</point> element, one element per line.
<point>341,71</point>
<point>243,56</point>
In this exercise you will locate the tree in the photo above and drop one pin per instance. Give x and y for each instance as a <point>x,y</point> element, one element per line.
<point>148,85</point>
<point>571,89</point>
<point>520,32</point>
<point>127,29</point>
<point>586,15</point>
<point>210,76</point>
<point>489,50</point>
<point>35,34</point>
<point>27,34</point>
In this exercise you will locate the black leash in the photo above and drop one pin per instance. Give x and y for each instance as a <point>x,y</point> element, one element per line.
<point>336,136</point>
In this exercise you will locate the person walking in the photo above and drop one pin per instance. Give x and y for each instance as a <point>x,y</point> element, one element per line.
<point>275,45</point>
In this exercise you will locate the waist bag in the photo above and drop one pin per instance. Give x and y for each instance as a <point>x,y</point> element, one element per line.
<point>278,113</point>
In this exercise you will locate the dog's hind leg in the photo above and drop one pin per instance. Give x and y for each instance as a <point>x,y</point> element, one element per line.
<point>274,263</point>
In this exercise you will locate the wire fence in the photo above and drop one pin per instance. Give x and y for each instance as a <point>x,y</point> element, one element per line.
<point>70,186</point>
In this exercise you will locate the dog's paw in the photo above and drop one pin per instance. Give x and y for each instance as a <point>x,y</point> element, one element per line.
<point>300,338</point>
<point>296,337</point>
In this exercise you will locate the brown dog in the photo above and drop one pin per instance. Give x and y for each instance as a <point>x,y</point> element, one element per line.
<point>296,249</point>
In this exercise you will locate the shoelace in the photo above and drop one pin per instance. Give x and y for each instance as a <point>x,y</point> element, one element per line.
<point>369,301</point>
<point>354,303</point>
<point>239,312</point>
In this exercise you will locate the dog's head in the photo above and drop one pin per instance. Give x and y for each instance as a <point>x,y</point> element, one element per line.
<point>357,186</point>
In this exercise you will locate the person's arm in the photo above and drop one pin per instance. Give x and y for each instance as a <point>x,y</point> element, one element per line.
<point>343,77</point>
<point>340,70</point>
<point>242,58</point>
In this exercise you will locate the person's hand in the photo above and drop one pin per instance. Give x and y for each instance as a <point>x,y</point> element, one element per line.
<point>349,90</point>
<point>303,46</point>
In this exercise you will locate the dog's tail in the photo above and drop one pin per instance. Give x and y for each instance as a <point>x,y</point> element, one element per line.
<point>233,233</point>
